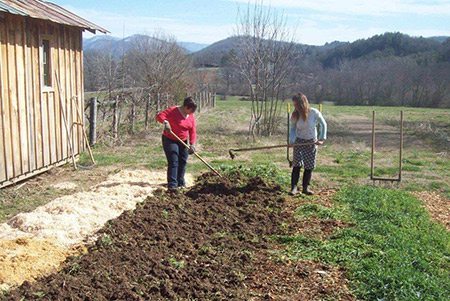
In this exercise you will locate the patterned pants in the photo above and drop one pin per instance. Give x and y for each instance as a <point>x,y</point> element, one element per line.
<point>305,155</point>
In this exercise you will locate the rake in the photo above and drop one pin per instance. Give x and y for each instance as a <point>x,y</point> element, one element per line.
<point>233,151</point>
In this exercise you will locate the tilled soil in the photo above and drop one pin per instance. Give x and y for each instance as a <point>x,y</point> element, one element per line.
<point>210,243</point>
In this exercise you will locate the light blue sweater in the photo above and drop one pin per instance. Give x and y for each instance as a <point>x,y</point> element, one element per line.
<point>307,130</point>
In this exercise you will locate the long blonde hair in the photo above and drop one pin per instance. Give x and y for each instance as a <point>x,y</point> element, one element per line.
<point>302,107</point>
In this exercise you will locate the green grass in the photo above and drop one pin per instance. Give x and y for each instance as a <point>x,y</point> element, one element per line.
<point>267,171</point>
<point>394,251</point>
<point>226,126</point>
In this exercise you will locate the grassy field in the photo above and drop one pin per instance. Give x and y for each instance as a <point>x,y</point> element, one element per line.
<point>344,159</point>
<point>391,249</point>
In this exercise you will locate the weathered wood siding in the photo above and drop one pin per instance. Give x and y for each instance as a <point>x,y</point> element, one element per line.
<point>33,136</point>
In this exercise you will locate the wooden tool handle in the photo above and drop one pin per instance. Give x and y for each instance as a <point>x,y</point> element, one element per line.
<point>197,155</point>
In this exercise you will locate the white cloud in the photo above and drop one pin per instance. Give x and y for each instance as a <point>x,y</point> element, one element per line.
<point>313,28</point>
<point>127,25</point>
<point>366,7</point>
<point>312,33</point>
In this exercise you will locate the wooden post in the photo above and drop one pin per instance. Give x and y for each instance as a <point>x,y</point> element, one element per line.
<point>158,102</point>
<point>288,155</point>
<point>115,124</point>
<point>214,100</point>
<point>93,121</point>
<point>133,117</point>
<point>401,147</point>
<point>372,158</point>
<point>147,109</point>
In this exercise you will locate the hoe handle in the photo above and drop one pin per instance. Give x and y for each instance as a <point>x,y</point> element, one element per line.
<point>232,151</point>
<point>197,155</point>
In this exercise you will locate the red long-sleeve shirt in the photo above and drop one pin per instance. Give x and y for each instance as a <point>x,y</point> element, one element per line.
<point>183,127</point>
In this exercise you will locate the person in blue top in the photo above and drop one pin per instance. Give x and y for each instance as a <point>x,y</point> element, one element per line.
<point>304,121</point>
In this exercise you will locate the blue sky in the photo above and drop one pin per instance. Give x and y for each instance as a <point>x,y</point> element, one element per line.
<point>314,21</point>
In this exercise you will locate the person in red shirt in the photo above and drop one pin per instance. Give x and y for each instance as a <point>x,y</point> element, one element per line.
<point>181,120</point>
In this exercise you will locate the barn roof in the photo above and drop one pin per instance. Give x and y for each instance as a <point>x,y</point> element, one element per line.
<point>47,11</point>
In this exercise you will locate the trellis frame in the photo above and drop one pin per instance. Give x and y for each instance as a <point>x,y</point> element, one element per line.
<point>372,159</point>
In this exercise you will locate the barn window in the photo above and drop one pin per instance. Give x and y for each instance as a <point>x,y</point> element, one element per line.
<point>46,63</point>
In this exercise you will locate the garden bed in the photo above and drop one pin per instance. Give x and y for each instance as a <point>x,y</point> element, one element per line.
<point>212,242</point>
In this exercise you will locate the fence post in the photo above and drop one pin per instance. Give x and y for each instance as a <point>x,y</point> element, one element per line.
<point>93,121</point>
<point>147,109</point>
<point>199,101</point>
<point>158,102</point>
<point>116,116</point>
<point>214,100</point>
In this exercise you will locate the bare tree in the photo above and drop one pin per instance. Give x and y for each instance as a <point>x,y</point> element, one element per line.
<point>264,62</point>
<point>158,63</point>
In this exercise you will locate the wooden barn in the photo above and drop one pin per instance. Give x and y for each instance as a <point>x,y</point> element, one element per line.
<point>41,87</point>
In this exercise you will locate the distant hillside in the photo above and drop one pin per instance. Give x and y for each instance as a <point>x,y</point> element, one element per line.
<point>116,45</point>
<point>192,47</point>
<point>388,44</point>
<point>440,39</point>
<point>332,54</point>
<point>215,54</point>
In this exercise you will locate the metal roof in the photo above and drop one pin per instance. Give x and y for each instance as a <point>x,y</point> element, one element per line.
<point>47,11</point>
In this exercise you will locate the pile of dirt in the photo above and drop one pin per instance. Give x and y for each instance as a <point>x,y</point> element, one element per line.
<point>303,280</point>
<point>210,243</point>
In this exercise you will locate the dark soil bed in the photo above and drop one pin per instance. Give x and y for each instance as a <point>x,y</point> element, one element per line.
<point>210,243</point>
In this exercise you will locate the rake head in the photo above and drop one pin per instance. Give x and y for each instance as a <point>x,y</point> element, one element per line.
<point>232,154</point>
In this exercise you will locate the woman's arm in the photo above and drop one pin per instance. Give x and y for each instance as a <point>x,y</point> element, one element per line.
<point>322,127</point>
<point>193,131</point>
<point>292,132</point>
<point>162,116</point>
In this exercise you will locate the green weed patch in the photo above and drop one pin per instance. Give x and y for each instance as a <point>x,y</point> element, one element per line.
<point>394,251</point>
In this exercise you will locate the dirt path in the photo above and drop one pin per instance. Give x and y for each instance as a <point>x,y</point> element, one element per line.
<point>211,243</point>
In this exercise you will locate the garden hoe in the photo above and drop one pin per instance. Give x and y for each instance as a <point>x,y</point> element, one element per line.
<point>197,155</point>
<point>233,151</point>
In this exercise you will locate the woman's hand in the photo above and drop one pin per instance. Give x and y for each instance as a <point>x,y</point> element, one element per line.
<point>191,150</point>
<point>320,142</point>
<point>167,127</point>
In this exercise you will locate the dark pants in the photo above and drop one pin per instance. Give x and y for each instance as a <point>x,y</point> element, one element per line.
<point>177,155</point>
<point>295,177</point>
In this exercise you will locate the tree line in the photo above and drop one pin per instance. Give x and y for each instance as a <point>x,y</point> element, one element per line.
<point>392,69</point>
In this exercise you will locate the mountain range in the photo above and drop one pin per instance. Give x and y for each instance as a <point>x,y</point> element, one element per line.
<point>118,45</point>
<point>330,54</point>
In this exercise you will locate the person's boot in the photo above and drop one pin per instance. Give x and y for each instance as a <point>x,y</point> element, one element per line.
<point>307,175</point>
<point>294,191</point>
<point>306,191</point>
<point>294,180</point>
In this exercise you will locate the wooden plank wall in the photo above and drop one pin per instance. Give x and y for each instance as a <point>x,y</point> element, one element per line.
<point>32,132</point>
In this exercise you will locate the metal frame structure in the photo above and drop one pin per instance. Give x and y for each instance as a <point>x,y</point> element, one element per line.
<point>372,160</point>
